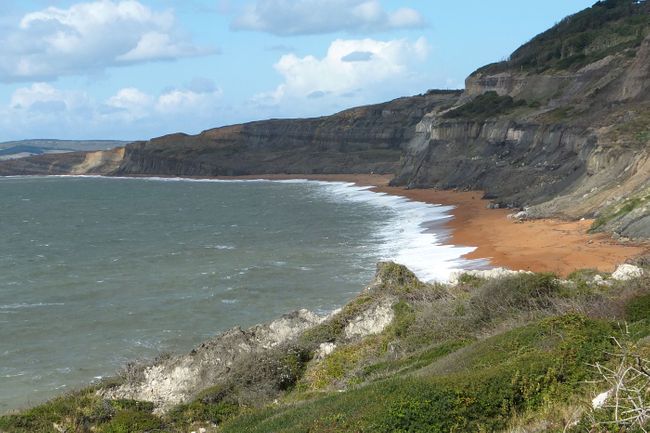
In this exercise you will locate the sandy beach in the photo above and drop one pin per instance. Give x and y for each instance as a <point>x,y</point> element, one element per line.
<point>545,245</point>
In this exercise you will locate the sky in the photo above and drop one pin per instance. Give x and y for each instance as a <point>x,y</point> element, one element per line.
<point>136,69</point>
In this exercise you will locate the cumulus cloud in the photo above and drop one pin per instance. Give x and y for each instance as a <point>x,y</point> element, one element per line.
<point>349,68</point>
<point>49,111</point>
<point>299,17</point>
<point>44,98</point>
<point>88,37</point>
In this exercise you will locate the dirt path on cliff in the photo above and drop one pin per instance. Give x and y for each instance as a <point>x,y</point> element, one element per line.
<point>546,245</point>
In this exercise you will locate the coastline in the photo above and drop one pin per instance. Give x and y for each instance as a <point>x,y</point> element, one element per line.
<point>543,245</point>
<point>546,245</point>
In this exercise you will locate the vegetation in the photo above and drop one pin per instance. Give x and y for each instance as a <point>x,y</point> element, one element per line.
<point>485,106</point>
<point>484,355</point>
<point>619,210</point>
<point>608,27</point>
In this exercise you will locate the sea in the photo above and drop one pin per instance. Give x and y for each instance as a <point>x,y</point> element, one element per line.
<point>97,272</point>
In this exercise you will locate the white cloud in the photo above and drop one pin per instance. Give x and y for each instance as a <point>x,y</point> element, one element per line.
<point>130,104</point>
<point>186,101</point>
<point>40,96</point>
<point>88,37</point>
<point>296,17</point>
<point>45,110</point>
<point>350,67</point>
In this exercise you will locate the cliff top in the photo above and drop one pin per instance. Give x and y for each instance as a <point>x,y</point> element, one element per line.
<point>608,27</point>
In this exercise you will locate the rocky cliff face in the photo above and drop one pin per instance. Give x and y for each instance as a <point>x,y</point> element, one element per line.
<point>360,140</point>
<point>97,162</point>
<point>573,143</point>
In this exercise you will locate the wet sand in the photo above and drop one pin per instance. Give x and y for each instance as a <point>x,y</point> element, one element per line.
<point>546,245</point>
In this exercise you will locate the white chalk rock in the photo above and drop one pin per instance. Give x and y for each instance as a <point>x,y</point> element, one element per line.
<point>324,350</point>
<point>484,273</point>
<point>518,216</point>
<point>372,321</point>
<point>627,272</point>
<point>600,399</point>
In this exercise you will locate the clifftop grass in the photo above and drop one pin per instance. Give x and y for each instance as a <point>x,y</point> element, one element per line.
<point>484,355</point>
<point>608,27</point>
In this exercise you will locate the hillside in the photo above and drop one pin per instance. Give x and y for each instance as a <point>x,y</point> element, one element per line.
<point>560,130</point>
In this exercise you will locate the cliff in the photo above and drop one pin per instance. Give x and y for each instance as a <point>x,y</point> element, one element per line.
<point>89,163</point>
<point>360,140</point>
<point>561,128</point>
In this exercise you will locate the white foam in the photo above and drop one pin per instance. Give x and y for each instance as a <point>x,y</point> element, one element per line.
<point>26,305</point>
<point>229,301</point>
<point>406,239</point>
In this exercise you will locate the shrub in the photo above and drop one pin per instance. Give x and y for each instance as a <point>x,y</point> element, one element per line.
<point>638,308</point>
<point>485,106</point>
<point>131,421</point>
<point>505,297</point>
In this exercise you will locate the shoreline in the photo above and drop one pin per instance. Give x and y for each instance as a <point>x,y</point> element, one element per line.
<point>546,245</point>
<point>538,245</point>
<point>541,245</point>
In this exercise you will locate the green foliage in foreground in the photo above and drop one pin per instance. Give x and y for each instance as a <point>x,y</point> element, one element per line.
<point>479,388</point>
<point>481,356</point>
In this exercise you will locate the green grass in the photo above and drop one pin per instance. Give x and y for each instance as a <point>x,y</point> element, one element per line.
<point>76,411</point>
<point>618,211</point>
<point>608,27</point>
<point>480,356</point>
<point>638,308</point>
<point>490,382</point>
<point>485,106</point>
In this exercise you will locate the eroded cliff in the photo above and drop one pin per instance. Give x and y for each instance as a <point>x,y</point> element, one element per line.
<point>567,137</point>
<point>360,140</point>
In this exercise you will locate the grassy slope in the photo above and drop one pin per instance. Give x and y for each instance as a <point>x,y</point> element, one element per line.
<point>608,27</point>
<point>481,356</point>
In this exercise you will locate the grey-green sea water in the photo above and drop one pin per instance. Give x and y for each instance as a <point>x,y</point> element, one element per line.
<point>95,272</point>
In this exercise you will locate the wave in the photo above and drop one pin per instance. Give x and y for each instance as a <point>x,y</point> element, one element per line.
<point>27,305</point>
<point>406,238</point>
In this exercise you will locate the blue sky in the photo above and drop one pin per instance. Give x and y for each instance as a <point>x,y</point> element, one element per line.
<point>135,69</point>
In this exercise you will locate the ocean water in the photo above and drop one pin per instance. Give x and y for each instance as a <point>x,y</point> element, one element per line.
<point>95,272</point>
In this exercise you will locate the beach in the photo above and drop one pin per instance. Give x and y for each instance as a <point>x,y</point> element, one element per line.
<point>542,245</point>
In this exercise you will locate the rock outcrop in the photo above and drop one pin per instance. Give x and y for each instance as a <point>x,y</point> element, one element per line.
<point>178,379</point>
<point>175,380</point>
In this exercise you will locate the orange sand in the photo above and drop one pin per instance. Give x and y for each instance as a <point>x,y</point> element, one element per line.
<point>546,245</point>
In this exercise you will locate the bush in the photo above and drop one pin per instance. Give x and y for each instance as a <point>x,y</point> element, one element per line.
<point>485,106</point>
<point>131,421</point>
<point>638,308</point>
<point>522,293</point>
